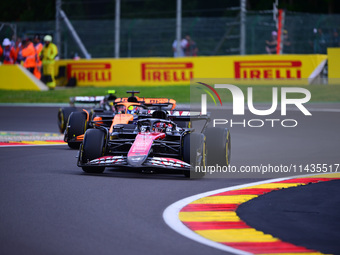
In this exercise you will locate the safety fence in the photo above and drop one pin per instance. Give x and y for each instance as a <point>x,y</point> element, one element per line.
<point>308,33</point>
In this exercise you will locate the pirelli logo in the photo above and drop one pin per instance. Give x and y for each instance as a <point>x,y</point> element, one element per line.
<point>268,69</point>
<point>167,71</point>
<point>90,72</point>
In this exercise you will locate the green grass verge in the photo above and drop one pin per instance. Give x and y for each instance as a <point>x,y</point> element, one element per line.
<point>61,95</point>
<point>320,93</point>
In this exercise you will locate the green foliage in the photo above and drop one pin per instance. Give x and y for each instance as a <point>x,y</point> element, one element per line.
<point>61,95</point>
<point>40,10</point>
<point>27,10</point>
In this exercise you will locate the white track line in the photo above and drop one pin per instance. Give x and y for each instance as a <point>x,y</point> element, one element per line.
<point>170,214</point>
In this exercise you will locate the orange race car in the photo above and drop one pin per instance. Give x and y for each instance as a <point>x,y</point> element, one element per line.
<point>124,110</point>
<point>91,103</point>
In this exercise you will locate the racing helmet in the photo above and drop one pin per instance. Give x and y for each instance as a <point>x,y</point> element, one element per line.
<point>133,109</point>
<point>159,127</point>
<point>120,108</point>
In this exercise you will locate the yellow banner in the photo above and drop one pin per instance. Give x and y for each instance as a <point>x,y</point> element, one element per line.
<point>333,65</point>
<point>271,69</point>
<point>16,77</point>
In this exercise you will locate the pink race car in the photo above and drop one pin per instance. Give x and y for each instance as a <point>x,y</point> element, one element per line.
<point>156,143</point>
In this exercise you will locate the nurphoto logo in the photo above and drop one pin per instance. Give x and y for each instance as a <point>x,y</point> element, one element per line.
<point>239,104</point>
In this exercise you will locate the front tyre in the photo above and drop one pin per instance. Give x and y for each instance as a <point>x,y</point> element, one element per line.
<point>218,146</point>
<point>76,125</point>
<point>93,147</point>
<point>194,153</point>
<point>63,115</point>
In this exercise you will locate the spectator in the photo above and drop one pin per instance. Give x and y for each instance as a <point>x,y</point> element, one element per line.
<point>29,54</point>
<point>8,52</point>
<point>320,42</point>
<point>38,48</point>
<point>183,45</point>
<point>335,39</point>
<point>13,40</point>
<point>76,56</point>
<point>287,44</point>
<point>18,49</point>
<point>272,44</point>
<point>47,56</point>
<point>191,48</point>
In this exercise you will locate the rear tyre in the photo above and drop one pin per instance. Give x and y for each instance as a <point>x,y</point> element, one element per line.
<point>194,153</point>
<point>63,115</point>
<point>218,146</point>
<point>93,147</point>
<point>76,125</point>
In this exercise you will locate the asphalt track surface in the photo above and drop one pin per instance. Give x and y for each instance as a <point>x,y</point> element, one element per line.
<point>48,206</point>
<point>308,215</point>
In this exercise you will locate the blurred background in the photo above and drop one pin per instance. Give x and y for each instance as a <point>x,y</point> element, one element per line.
<point>148,27</point>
